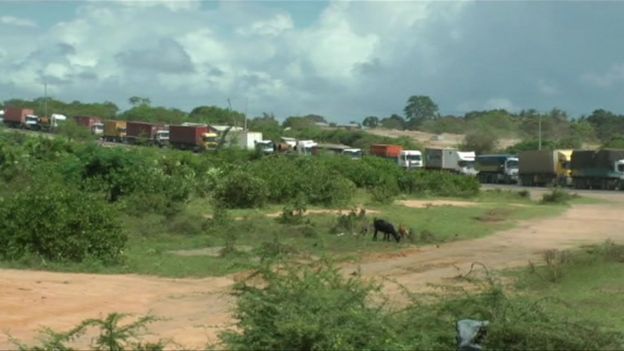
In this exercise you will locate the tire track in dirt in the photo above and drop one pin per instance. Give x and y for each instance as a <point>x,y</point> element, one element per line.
<point>196,309</point>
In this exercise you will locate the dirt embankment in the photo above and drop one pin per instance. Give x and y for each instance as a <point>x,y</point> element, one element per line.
<point>197,308</point>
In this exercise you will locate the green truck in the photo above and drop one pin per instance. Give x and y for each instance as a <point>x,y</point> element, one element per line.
<point>598,169</point>
<point>497,168</point>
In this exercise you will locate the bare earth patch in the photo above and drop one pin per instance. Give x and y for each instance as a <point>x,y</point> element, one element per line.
<point>198,308</point>
<point>324,211</point>
<point>214,251</point>
<point>436,203</point>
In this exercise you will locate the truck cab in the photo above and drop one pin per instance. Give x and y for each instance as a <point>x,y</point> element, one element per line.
<point>410,159</point>
<point>97,129</point>
<point>162,137</point>
<point>354,154</point>
<point>466,163</point>
<point>305,147</point>
<point>265,146</point>
<point>211,141</point>
<point>497,168</point>
<point>32,122</point>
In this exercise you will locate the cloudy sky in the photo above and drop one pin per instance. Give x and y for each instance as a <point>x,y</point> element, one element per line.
<point>344,60</point>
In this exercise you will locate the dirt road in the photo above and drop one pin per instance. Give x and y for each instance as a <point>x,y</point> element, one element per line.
<point>197,308</point>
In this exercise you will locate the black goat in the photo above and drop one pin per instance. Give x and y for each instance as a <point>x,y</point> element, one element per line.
<point>387,228</point>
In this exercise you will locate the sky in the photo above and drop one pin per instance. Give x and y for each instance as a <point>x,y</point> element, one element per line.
<point>341,59</point>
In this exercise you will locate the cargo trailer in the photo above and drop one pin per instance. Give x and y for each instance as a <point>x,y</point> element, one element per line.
<point>192,137</point>
<point>544,167</point>
<point>115,131</point>
<point>408,159</point>
<point>452,160</point>
<point>497,168</point>
<point>146,133</point>
<point>601,169</point>
<point>20,118</point>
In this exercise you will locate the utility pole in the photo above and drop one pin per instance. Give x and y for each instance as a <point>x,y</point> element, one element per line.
<point>45,105</point>
<point>246,104</point>
<point>540,133</point>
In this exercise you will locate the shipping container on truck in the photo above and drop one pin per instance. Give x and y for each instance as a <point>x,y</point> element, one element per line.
<point>20,117</point>
<point>601,169</point>
<point>544,167</point>
<point>192,137</point>
<point>146,133</point>
<point>497,168</point>
<point>115,130</point>
<point>244,139</point>
<point>453,160</point>
<point>94,124</point>
<point>386,150</point>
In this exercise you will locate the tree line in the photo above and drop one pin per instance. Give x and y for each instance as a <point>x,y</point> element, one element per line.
<point>482,128</point>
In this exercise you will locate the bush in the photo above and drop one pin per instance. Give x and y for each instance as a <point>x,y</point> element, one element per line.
<point>557,196</point>
<point>240,189</point>
<point>309,308</point>
<point>438,184</point>
<point>59,223</point>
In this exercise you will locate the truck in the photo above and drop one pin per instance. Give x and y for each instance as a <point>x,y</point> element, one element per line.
<point>115,131</point>
<point>544,167</point>
<point>266,147</point>
<point>497,168</point>
<point>452,160</point>
<point>306,147</point>
<point>601,169</point>
<point>193,137</point>
<point>21,118</point>
<point>148,133</point>
<point>94,124</point>
<point>49,123</point>
<point>408,159</point>
<point>243,139</point>
<point>353,153</point>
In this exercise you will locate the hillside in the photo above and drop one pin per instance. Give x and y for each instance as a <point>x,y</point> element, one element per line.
<point>434,140</point>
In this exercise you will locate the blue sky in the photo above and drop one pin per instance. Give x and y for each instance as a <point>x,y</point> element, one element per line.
<point>344,60</point>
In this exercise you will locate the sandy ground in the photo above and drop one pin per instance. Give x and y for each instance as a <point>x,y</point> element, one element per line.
<point>436,203</point>
<point>444,140</point>
<point>197,308</point>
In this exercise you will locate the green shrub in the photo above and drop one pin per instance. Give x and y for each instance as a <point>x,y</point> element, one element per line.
<point>557,196</point>
<point>59,223</point>
<point>309,308</point>
<point>438,184</point>
<point>241,189</point>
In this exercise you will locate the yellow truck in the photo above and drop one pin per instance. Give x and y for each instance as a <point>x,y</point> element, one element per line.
<point>545,167</point>
<point>114,131</point>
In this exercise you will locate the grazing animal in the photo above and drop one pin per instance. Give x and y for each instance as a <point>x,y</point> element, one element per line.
<point>387,228</point>
<point>404,232</point>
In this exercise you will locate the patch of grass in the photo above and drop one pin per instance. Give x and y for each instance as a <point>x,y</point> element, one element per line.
<point>588,279</point>
<point>558,196</point>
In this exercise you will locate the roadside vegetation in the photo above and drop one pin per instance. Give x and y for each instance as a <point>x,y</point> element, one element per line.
<point>75,206</point>
<point>283,304</point>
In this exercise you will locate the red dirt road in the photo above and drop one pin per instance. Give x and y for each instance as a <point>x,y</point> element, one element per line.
<point>197,308</point>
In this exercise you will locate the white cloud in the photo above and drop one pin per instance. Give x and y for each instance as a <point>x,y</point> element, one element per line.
<point>613,75</point>
<point>547,89</point>
<point>272,27</point>
<point>19,22</point>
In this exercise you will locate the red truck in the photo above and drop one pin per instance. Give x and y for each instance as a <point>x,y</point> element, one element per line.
<point>386,151</point>
<point>193,137</point>
<point>94,124</point>
<point>20,118</point>
<point>149,133</point>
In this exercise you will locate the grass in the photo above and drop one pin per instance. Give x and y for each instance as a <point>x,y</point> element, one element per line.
<point>153,237</point>
<point>589,284</point>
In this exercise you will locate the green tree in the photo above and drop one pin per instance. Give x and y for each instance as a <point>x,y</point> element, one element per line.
<point>371,122</point>
<point>420,108</point>
<point>139,101</point>
<point>393,122</point>
<point>480,141</point>
<point>73,131</point>
<point>268,125</point>
<point>217,115</point>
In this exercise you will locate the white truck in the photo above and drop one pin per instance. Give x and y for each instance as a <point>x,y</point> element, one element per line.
<point>410,159</point>
<point>306,147</point>
<point>245,140</point>
<point>265,146</point>
<point>453,160</point>
<point>354,154</point>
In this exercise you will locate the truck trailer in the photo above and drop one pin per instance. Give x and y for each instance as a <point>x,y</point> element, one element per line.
<point>146,133</point>
<point>408,159</point>
<point>193,137</point>
<point>601,169</point>
<point>544,167</point>
<point>20,118</point>
<point>94,124</point>
<point>114,130</point>
<point>245,140</point>
<point>497,168</point>
<point>453,160</point>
